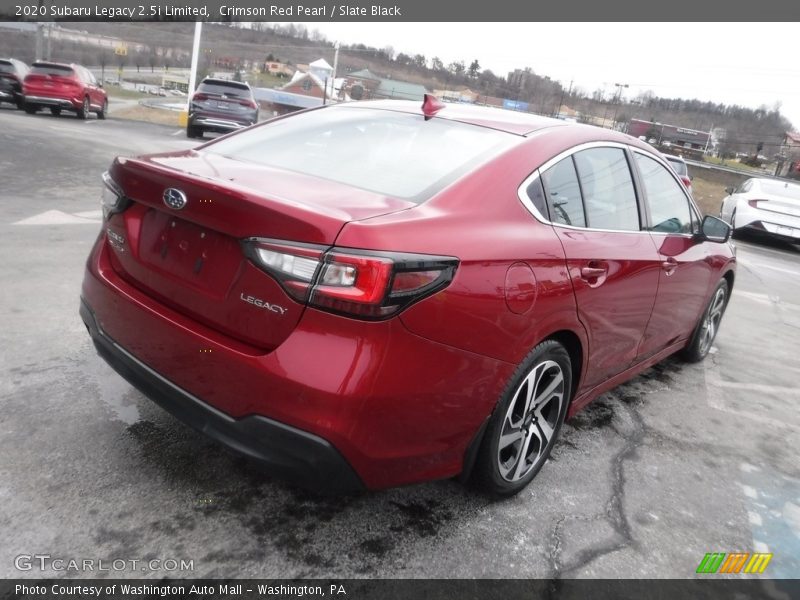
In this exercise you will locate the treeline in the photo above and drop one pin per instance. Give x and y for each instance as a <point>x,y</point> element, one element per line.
<point>168,44</point>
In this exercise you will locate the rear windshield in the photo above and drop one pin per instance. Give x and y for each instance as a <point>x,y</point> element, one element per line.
<point>392,153</point>
<point>776,188</point>
<point>52,70</point>
<point>679,166</point>
<point>232,90</point>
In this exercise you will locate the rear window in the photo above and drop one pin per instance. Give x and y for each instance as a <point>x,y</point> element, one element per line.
<point>392,153</point>
<point>6,67</point>
<point>776,188</point>
<point>232,90</point>
<point>52,70</point>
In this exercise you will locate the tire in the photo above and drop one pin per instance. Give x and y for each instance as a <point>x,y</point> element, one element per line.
<point>31,109</point>
<point>706,330</point>
<point>193,132</point>
<point>55,111</point>
<point>83,111</point>
<point>101,114</point>
<point>20,103</point>
<point>521,433</point>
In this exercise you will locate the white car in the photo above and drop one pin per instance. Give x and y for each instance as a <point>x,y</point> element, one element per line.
<point>766,206</point>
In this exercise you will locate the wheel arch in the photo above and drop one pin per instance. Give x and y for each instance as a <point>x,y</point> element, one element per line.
<point>575,349</point>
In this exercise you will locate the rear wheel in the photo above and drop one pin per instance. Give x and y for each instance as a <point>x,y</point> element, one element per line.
<point>83,111</point>
<point>526,421</point>
<point>706,330</point>
<point>55,111</point>
<point>101,114</point>
<point>193,132</point>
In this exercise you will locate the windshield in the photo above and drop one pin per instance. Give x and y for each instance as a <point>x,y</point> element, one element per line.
<point>393,153</point>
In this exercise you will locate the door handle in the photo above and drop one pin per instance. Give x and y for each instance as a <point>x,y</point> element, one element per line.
<point>592,272</point>
<point>669,265</point>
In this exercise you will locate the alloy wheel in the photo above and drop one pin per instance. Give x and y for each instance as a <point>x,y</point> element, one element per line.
<point>712,320</point>
<point>530,421</point>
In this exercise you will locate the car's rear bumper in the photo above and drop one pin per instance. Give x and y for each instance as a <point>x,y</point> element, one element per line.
<point>53,101</point>
<point>297,455</point>
<point>397,407</point>
<point>213,123</point>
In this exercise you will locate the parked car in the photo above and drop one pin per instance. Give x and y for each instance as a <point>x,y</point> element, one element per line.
<point>372,294</point>
<point>762,206</point>
<point>222,106</point>
<point>60,87</point>
<point>12,72</point>
<point>679,166</point>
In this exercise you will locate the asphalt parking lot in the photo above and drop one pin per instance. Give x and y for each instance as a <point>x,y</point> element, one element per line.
<point>684,460</point>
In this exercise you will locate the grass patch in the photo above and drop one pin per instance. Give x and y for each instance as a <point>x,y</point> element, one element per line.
<point>160,116</point>
<point>114,91</point>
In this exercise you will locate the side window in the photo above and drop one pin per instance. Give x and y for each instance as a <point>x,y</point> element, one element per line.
<point>669,206</point>
<point>608,192</point>
<point>564,194</point>
<point>745,187</point>
<point>535,193</point>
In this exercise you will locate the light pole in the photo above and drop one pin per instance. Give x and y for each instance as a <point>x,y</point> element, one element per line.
<point>619,87</point>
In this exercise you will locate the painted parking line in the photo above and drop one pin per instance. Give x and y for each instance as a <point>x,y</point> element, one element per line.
<point>754,264</point>
<point>57,217</point>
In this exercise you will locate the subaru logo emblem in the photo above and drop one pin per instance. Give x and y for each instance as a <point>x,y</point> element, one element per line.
<point>175,199</point>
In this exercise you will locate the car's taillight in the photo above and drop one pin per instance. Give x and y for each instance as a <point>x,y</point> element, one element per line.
<point>248,103</point>
<point>356,283</point>
<point>687,182</point>
<point>754,203</point>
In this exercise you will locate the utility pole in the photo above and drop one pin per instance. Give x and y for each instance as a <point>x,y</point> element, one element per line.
<point>618,102</point>
<point>335,65</point>
<point>40,35</point>
<point>560,102</point>
<point>198,30</point>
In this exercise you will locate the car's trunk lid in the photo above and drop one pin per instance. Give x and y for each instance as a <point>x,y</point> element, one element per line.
<point>191,258</point>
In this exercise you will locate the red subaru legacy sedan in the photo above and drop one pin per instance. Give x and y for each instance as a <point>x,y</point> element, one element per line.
<point>373,294</point>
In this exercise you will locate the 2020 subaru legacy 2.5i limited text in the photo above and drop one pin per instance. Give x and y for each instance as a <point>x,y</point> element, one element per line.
<point>372,294</point>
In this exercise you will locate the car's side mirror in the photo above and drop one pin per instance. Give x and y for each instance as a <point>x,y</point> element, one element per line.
<point>691,177</point>
<point>715,230</point>
<point>729,190</point>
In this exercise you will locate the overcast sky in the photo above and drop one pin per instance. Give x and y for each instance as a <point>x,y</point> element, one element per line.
<point>749,64</point>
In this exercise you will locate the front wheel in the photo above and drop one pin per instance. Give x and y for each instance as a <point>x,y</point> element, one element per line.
<point>526,421</point>
<point>706,330</point>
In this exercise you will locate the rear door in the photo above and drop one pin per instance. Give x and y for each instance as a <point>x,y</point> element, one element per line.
<point>612,262</point>
<point>686,267</point>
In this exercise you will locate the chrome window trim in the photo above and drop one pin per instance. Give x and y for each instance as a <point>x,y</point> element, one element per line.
<point>526,202</point>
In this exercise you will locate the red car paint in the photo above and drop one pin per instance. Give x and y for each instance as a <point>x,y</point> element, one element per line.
<point>63,87</point>
<point>403,397</point>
